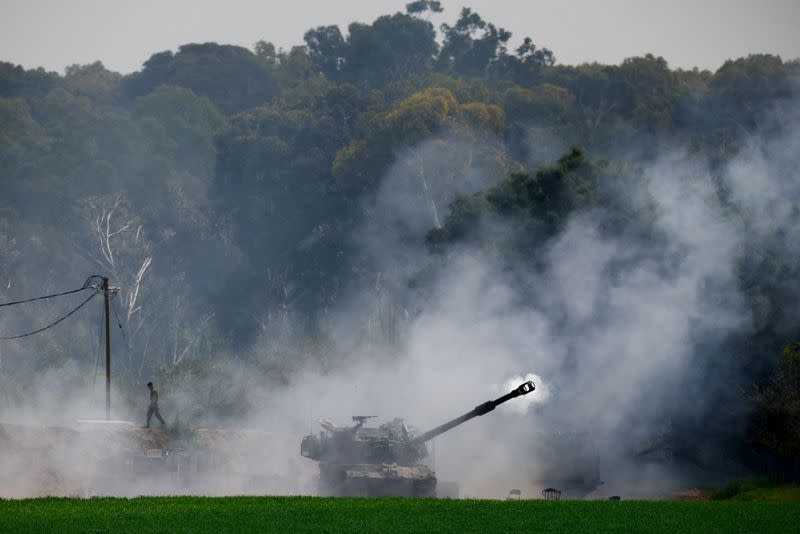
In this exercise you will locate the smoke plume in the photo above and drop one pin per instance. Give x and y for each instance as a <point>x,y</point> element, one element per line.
<point>623,337</point>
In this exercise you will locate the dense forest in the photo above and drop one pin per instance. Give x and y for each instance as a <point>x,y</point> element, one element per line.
<point>301,208</point>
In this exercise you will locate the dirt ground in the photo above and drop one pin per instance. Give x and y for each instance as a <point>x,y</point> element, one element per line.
<point>128,461</point>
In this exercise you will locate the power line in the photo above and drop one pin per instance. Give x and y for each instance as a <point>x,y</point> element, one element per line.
<point>51,325</point>
<point>44,297</point>
<point>86,285</point>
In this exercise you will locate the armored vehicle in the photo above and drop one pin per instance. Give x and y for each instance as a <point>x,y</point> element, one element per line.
<point>385,461</point>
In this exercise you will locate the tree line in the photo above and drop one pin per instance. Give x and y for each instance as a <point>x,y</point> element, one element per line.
<point>220,187</point>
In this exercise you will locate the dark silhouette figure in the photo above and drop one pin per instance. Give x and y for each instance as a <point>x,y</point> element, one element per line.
<point>153,408</point>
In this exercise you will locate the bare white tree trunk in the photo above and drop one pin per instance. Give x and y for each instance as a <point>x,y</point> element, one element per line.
<point>123,255</point>
<point>426,190</point>
<point>198,332</point>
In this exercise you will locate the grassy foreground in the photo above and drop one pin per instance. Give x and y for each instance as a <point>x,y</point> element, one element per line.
<point>310,514</point>
<point>759,489</point>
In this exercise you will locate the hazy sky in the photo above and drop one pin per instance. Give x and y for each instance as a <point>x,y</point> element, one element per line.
<point>123,34</point>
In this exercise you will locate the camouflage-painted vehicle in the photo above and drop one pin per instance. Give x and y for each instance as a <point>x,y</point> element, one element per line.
<point>382,461</point>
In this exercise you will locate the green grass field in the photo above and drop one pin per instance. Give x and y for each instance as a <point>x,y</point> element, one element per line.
<point>758,489</point>
<point>310,514</point>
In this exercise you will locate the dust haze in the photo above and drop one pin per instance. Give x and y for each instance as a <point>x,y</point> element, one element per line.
<point>618,338</point>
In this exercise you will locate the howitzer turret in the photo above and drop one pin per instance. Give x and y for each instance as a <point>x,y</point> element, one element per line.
<point>383,461</point>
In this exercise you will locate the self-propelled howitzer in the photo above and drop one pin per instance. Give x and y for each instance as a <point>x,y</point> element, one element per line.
<point>383,461</point>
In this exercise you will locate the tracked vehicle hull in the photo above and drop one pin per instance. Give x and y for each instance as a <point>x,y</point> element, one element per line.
<point>376,480</point>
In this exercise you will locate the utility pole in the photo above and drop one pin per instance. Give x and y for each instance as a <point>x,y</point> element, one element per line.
<point>108,351</point>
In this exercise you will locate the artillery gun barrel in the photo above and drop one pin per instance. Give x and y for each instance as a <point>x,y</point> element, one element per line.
<point>481,409</point>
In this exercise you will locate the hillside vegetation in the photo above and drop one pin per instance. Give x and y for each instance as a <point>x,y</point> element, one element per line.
<point>227,191</point>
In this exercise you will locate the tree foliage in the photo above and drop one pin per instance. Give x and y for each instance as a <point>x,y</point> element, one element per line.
<point>233,183</point>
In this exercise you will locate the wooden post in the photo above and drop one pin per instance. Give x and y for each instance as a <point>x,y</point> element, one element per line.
<point>108,350</point>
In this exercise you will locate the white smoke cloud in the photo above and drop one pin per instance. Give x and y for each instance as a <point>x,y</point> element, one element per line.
<point>613,325</point>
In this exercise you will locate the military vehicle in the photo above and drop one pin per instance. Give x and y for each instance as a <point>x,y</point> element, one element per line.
<point>385,461</point>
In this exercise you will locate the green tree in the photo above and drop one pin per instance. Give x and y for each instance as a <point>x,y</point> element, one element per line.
<point>776,425</point>
<point>326,49</point>
<point>266,53</point>
<point>15,81</point>
<point>230,76</point>
<point>100,85</point>
<point>649,93</point>
<point>539,204</point>
<point>743,90</point>
<point>390,49</point>
<point>471,45</point>
<point>421,6</point>
<point>190,121</point>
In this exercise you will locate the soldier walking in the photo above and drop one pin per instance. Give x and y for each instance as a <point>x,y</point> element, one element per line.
<point>153,408</point>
